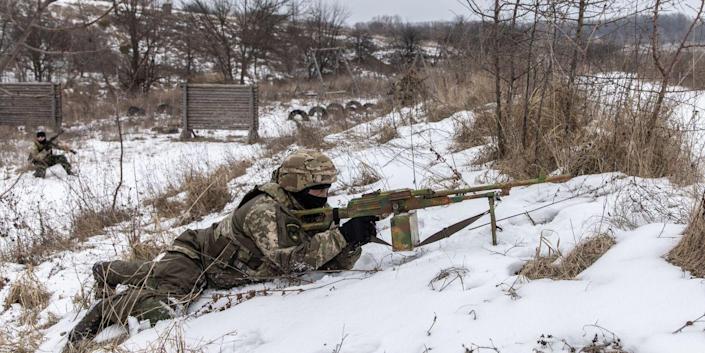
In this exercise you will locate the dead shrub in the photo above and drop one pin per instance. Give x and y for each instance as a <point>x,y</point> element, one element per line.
<point>362,176</point>
<point>88,103</point>
<point>473,133</point>
<point>387,133</point>
<point>446,277</point>
<point>559,267</point>
<point>290,89</point>
<point>32,246</point>
<point>203,192</point>
<point>88,221</point>
<point>689,254</point>
<point>410,89</point>
<point>610,132</point>
<point>26,340</point>
<point>306,136</point>
<point>31,294</point>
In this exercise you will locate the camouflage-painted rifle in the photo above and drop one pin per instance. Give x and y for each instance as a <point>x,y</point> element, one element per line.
<point>401,203</point>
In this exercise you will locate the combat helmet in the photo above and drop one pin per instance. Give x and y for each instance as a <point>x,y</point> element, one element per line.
<point>304,169</point>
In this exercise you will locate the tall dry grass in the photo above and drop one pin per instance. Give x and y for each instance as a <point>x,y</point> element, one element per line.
<point>198,193</point>
<point>610,134</point>
<point>689,254</point>
<point>555,265</point>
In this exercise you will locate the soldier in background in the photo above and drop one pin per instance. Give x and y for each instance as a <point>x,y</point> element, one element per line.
<point>42,157</point>
<point>260,240</point>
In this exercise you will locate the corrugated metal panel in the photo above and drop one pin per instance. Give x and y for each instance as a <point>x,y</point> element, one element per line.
<point>31,104</point>
<point>214,106</point>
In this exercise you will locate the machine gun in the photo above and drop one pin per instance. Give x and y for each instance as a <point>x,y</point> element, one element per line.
<point>402,204</point>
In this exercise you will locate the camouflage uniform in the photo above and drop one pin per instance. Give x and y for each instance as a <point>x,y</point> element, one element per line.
<point>258,241</point>
<point>41,155</point>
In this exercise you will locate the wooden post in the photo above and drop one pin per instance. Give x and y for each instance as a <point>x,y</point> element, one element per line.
<point>185,133</point>
<point>493,220</point>
<point>253,135</point>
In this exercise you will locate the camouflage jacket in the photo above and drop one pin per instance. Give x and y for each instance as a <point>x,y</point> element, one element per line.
<point>261,240</point>
<point>40,151</point>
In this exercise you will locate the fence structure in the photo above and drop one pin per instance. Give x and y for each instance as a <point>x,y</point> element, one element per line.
<point>30,104</point>
<point>220,106</point>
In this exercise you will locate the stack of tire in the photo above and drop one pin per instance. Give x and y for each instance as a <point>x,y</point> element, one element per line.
<point>334,110</point>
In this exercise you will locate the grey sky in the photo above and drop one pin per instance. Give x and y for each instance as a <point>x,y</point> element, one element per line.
<point>408,10</point>
<point>430,10</point>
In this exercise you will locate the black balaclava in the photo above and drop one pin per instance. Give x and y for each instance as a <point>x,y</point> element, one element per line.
<point>42,134</point>
<point>309,201</point>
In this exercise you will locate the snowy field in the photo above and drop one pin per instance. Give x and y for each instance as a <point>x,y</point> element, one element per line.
<point>391,302</point>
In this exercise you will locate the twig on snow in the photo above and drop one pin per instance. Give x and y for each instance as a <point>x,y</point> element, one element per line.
<point>689,323</point>
<point>435,318</point>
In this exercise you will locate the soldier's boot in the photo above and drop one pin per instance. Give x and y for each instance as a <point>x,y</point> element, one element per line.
<point>154,310</point>
<point>40,172</point>
<point>88,327</point>
<point>345,260</point>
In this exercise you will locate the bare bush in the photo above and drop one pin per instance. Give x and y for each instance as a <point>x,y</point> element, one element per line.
<point>198,193</point>
<point>362,175</point>
<point>605,136</point>
<point>556,266</point>
<point>30,294</point>
<point>387,133</point>
<point>689,254</point>
<point>27,340</point>
<point>88,222</point>
<point>310,137</point>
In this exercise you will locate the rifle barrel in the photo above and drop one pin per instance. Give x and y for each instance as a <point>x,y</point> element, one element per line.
<point>508,185</point>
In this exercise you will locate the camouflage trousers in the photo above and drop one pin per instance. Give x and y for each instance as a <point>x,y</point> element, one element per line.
<point>155,289</point>
<point>40,167</point>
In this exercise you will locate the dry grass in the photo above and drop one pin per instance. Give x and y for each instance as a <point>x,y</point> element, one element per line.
<point>25,341</point>
<point>362,176</point>
<point>33,247</point>
<point>607,136</point>
<point>88,103</point>
<point>31,294</point>
<point>297,88</point>
<point>203,192</point>
<point>559,267</point>
<point>386,133</point>
<point>454,88</point>
<point>88,222</point>
<point>689,254</point>
<point>309,137</point>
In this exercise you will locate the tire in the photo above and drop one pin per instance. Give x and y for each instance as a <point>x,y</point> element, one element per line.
<point>163,108</point>
<point>353,106</point>
<point>319,112</point>
<point>298,112</point>
<point>135,111</point>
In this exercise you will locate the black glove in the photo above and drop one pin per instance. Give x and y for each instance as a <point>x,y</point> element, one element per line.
<point>359,230</point>
<point>73,151</point>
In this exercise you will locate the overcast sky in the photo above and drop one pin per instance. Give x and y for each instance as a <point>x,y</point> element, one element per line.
<point>430,10</point>
<point>408,10</point>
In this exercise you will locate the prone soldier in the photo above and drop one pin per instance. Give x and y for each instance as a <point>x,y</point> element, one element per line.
<point>258,241</point>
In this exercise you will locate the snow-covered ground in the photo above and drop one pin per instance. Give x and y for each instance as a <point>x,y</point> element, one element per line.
<point>390,302</point>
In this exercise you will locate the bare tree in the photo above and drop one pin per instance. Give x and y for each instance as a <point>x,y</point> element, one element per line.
<point>665,65</point>
<point>25,26</point>
<point>141,23</point>
<point>323,27</point>
<point>259,23</point>
<point>213,20</point>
